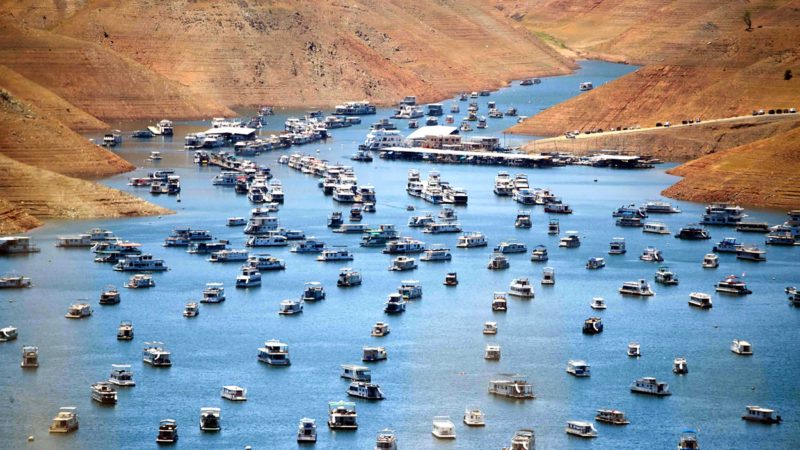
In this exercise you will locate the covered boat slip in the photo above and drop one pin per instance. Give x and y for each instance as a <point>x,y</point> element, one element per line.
<point>515,159</point>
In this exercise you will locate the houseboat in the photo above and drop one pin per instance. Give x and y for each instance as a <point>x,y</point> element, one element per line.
<point>511,247</point>
<point>741,347</point>
<point>66,421</point>
<point>660,207</point>
<point>410,289</point>
<point>451,279</point>
<point>752,227</point>
<point>598,303</point>
<point>156,355</point>
<point>436,252</point>
<point>380,329</point>
<point>498,261</point>
<point>492,352</point>
<point>751,253</point>
<point>342,416</point>
<point>167,432</point>
<point>421,221</point>
<point>472,240</point>
<point>10,245</point>
<point>521,287</point>
<point>191,309</point>
<point>348,278</point>
<point>236,222</point>
<point>443,428</point>
<point>553,227</point>
<point>630,222</point>
<point>700,300</point>
<point>140,263</point>
<point>121,375</point>
<point>539,254</point>
<point>373,354</point>
<point>335,254</point>
<point>274,353</point>
<point>732,285</point>
<point>592,325</point>
<point>523,439</point>
<point>557,208</point>
<point>710,261</point>
<point>651,386</point>
<point>15,282</point>
<point>651,254</point>
<point>367,391</point>
<point>78,311</point>
<point>655,228</point>
<point>499,302</point>
<point>228,255</point>
<point>313,291</point>
<point>290,307</point>
<point>580,429</point>
<point>728,245</point>
<point>548,276</point>
<point>234,393</point>
<point>79,241</point>
<point>309,245</point>
<point>30,357</point>
<point>761,415</point>
<point>109,296</point>
<point>794,295</point>
<point>307,431</point>
<point>571,240</point>
<point>511,385</point>
<point>595,263</point>
<point>8,334</point>
<point>636,288</point>
<point>474,417</point>
<point>523,220</point>
<point>693,233</point>
<point>722,214</point>
<point>634,350</point>
<point>679,366</point>
<point>125,331</point>
<point>490,328</point>
<point>438,228</point>
<point>586,86</point>
<point>578,368</point>
<point>611,416</point>
<point>264,261</point>
<point>666,277</point>
<point>104,393</point>
<point>403,263</point>
<point>210,419</point>
<point>395,304</point>
<point>617,246</point>
<point>250,277</point>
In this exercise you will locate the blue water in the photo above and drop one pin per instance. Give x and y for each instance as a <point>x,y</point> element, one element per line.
<point>435,364</point>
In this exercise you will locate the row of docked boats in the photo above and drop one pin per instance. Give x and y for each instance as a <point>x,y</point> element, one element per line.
<point>434,190</point>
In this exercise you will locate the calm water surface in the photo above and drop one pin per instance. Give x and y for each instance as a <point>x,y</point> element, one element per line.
<point>435,364</point>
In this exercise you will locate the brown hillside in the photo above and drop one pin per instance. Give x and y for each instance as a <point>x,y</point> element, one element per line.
<point>14,219</point>
<point>762,173</point>
<point>95,78</point>
<point>300,53</point>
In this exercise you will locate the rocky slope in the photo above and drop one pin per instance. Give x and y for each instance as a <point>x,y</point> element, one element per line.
<point>740,174</point>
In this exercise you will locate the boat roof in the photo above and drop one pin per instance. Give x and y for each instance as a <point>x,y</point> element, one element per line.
<point>233,388</point>
<point>354,367</point>
<point>341,403</point>
<point>239,131</point>
<point>435,130</point>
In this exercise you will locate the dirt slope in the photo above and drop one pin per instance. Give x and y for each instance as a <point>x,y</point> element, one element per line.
<point>301,53</point>
<point>14,219</point>
<point>740,174</point>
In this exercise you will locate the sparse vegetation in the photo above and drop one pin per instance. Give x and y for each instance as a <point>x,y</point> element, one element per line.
<point>748,20</point>
<point>550,39</point>
<point>787,75</point>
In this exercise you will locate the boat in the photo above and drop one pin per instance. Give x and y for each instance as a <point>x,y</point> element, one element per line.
<point>368,391</point>
<point>121,375</point>
<point>436,252</point>
<point>155,354</point>
<point>355,214</point>
<point>79,241</point>
<point>503,184</point>
<point>521,287</point>
<point>524,439</point>
<point>140,263</point>
<point>191,309</point>
<point>751,253</point>
<point>511,385</point>
<point>490,328</point>
<point>335,219</point>
<point>492,352</point>
<point>727,245</point>
<point>700,300</point>
<point>578,368</point>
<point>761,415</point>
<point>539,254</point>
<point>611,416</point>
<point>155,156</point>
<point>348,278</point>
<point>11,245</point>
<point>752,227</point>
<point>380,329</point>
<point>634,350</point>
<point>335,254</point>
<point>679,366</point>
<point>498,261</point>
<point>617,246</point>
<point>595,263</point>
<point>250,277</point>
<point>410,289</point>
<point>451,279</point>
<point>395,304</point>
<point>443,428</point>
<point>307,430</point>
<point>228,255</point>
<point>264,261</point>
<point>140,281</point>
<point>710,261</point>
<point>586,86</point>
<point>794,295</point>
<point>213,293</point>
<point>780,237</point>
<point>732,285</point>
<point>78,311</point>
<point>593,325</point>
<point>630,222</point>
<point>651,254</point>
<point>234,393</point>
<point>8,334</point>
<point>524,196</point>
<point>666,277</point>
<point>688,441</point>
<point>274,240</point>
<point>313,291</point>
<point>523,220</point>
<point>438,228</point>
<point>580,428</point>
<point>403,263</point>
<point>651,386</point>
<point>571,240</point>
<point>15,282</point>
<point>274,353</point>
<point>103,393</point>
<point>548,276</point>
<point>372,354</point>
<point>30,357</point>
<point>421,221</point>
<point>741,347</point>
<point>557,207</point>
<point>309,245</point>
<point>167,432</point>
<point>655,228</point>
<point>553,227</point>
<point>598,303</point>
<point>499,302</point>
<point>472,240</point>
<point>660,207</point>
<point>630,211</point>
<point>342,416</point>
<point>474,417</point>
<point>511,247</point>
<point>636,288</point>
<point>109,296</point>
<point>723,214</point>
<point>66,421</point>
<point>290,307</point>
<point>693,233</point>
<point>210,419</point>
<point>125,331</point>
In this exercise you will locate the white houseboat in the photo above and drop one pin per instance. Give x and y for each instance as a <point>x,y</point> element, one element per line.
<point>511,385</point>
<point>156,355</point>
<point>651,386</point>
<point>274,353</point>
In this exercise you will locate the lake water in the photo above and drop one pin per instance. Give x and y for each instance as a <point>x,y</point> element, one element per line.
<point>435,365</point>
